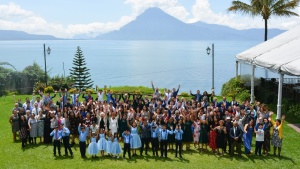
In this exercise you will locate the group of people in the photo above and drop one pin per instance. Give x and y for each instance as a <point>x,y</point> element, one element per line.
<point>163,119</point>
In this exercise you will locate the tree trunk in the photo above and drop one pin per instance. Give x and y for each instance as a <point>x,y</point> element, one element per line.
<point>266,29</point>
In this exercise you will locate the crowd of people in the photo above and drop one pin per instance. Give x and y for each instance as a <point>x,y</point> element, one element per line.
<point>165,120</point>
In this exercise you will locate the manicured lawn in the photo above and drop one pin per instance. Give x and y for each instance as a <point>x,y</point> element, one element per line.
<point>40,155</point>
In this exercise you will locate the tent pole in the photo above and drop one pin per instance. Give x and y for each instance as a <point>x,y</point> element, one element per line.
<point>252,85</point>
<point>236,69</point>
<point>280,84</point>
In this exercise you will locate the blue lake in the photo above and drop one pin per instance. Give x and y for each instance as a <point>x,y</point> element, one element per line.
<point>115,63</point>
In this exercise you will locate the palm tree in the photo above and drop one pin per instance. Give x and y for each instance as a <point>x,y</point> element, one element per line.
<point>266,9</point>
<point>6,63</point>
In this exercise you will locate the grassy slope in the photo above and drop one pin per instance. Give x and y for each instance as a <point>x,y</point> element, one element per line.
<point>40,155</point>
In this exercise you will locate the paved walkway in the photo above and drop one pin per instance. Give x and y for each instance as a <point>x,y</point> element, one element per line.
<point>295,126</point>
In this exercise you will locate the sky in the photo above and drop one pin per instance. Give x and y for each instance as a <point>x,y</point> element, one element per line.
<point>71,18</point>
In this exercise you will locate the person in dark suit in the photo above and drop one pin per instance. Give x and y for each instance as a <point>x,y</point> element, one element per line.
<point>236,134</point>
<point>197,97</point>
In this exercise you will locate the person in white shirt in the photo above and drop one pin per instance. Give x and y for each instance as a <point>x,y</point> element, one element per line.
<point>259,139</point>
<point>36,109</point>
<point>100,95</point>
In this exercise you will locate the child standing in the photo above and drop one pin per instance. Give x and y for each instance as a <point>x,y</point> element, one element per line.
<point>93,147</point>
<point>115,146</point>
<point>259,139</point>
<point>127,137</point>
<point>108,143</point>
<point>102,142</point>
<point>83,133</point>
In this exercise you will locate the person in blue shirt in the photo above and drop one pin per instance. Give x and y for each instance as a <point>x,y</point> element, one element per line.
<point>178,139</point>
<point>164,140</point>
<point>127,137</point>
<point>66,139</point>
<point>57,135</point>
<point>154,139</point>
<point>83,133</point>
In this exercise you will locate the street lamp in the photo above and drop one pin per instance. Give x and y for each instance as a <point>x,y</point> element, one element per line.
<point>213,64</point>
<point>48,52</point>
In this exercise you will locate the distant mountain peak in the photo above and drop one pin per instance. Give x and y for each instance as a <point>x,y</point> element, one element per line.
<point>156,24</point>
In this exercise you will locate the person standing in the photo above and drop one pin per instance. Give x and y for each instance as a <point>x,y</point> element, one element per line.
<point>247,136</point>
<point>126,135</point>
<point>32,123</point>
<point>236,134</point>
<point>277,133</point>
<point>66,139</point>
<point>14,121</point>
<point>145,136</point>
<point>259,139</point>
<point>164,140</point>
<point>57,135</point>
<point>154,140</point>
<point>83,133</point>
<point>23,130</point>
<point>178,140</point>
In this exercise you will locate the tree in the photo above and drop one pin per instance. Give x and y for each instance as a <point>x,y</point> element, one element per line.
<point>266,9</point>
<point>79,72</point>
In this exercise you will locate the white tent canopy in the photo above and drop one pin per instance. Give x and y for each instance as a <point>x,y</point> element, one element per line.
<point>280,54</point>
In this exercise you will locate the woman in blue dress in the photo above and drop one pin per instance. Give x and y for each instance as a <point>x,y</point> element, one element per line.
<point>102,142</point>
<point>135,142</point>
<point>115,146</point>
<point>247,136</point>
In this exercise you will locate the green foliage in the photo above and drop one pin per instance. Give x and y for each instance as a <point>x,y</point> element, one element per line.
<point>244,95</point>
<point>72,90</point>
<point>39,86</point>
<point>233,87</point>
<point>60,82</point>
<point>290,108</point>
<point>79,72</point>
<point>49,89</point>
<point>265,9</point>
<point>90,90</point>
<point>184,94</point>
<point>11,93</point>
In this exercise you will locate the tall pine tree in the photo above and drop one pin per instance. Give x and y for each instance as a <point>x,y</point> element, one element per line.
<point>79,72</point>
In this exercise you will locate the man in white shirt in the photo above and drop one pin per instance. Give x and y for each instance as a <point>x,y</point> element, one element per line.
<point>100,95</point>
<point>36,109</point>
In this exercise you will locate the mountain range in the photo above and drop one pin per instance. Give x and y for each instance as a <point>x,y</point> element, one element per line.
<point>20,35</point>
<point>155,24</point>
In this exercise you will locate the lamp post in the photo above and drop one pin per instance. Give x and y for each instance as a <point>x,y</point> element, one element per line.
<point>213,64</point>
<point>48,52</point>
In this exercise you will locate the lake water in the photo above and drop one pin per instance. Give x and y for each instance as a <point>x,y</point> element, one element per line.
<point>115,63</point>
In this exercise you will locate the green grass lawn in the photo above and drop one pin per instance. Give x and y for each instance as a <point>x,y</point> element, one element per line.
<point>41,156</point>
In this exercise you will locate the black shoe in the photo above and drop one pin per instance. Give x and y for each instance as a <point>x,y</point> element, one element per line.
<point>161,156</point>
<point>65,155</point>
<point>180,157</point>
<point>59,154</point>
<point>72,155</point>
<point>54,155</point>
<point>175,156</point>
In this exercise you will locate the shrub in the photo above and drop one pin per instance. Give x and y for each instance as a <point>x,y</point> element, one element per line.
<point>39,86</point>
<point>244,95</point>
<point>48,89</point>
<point>90,90</point>
<point>184,94</point>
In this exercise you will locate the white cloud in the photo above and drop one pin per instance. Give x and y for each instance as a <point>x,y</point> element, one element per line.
<point>12,10</point>
<point>202,12</point>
